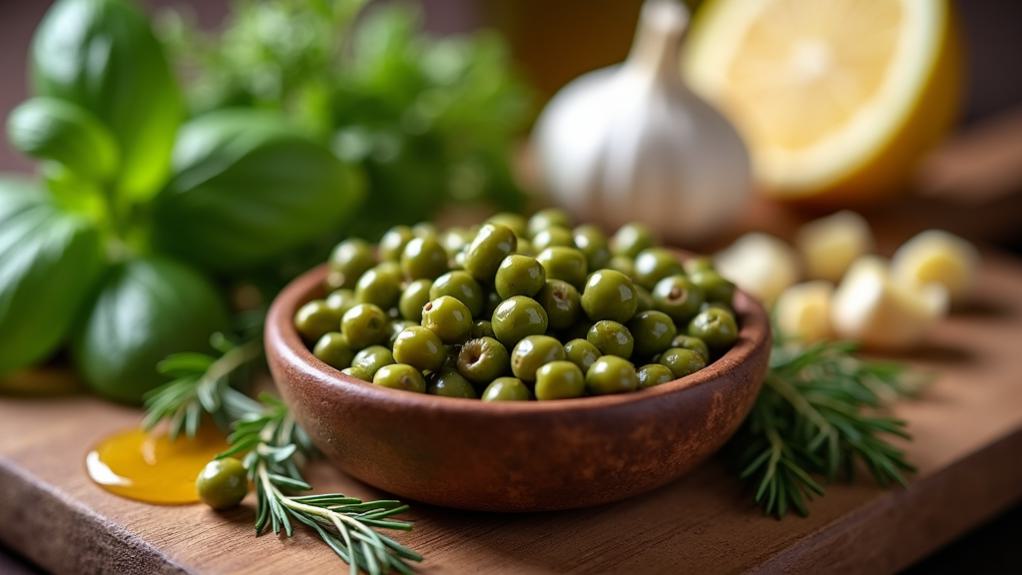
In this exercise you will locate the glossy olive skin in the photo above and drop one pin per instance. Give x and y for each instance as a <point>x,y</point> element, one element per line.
<point>400,376</point>
<point>448,318</point>
<point>550,237</point>
<point>715,288</point>
<point>559,380</point>
<point>611,338</point>
<point>532,353</point>
<point>424,230</point>
<point>393,242</point>
<point>694,343</point>
<point>564,263</point>
<point>371,359</point>
<point>491,245</point>
<point>519,275</point>
<point>716,327</point>
<point>518,317</point>
<point>349,260</point>
<point>363,325</point>
<point>630,239</point>
<point>609,294</point>
<point>678,297</point>
<point>423,258</point>
<point>592,242</point>
<point>682,361</point>
<point>506,389</point>
<point>341,300</point>
<point>562,303</point>
<point>460,285</point>
<point>222,483</point>
<point>315,319</point>
<point>482,360</point>
<point>653,332</point>
<point>525,248</point>
<point>482,328</point>
<point>380,285</point>
<point>623,265</point>
<point>698,264</point>
<point>415,295</point>
<point>611,374</point>
<point>420,348</point>
<point>653,265</point>
<point>333,350</point>
<point>454,240</point>
<point>450,383</point>
<point>548,218</point>
<point>653,374</point>
<point>396,327</point>
<point>582,353</point>
<point>515,222</point>
<point>357,373</point>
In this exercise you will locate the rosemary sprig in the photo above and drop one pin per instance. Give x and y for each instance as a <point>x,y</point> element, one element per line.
<point>273,444</point>
<point>817,418</point>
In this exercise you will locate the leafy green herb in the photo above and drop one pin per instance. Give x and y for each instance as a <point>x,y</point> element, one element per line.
<point>816,417</point>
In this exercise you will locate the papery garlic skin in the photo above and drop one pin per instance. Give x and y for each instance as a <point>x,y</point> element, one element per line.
<point>870,308</point>
<point>829,245</point>
<point>937,257</point>
<point>761,265</point>
<point>803,311</point>
<point>632,142</point>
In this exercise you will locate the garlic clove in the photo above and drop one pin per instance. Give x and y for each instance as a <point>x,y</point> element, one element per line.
<point>803,311</point>
<point>870,308</point>
<point>829,245</point>
<point>760,264</point>
<point>937,257</point>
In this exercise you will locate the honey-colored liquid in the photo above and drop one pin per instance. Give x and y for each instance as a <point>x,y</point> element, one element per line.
<point>150,467</point>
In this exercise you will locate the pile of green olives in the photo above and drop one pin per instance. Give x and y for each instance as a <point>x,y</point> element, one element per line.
<point>518,309</point>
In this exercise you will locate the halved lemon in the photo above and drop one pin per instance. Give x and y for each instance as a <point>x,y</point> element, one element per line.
<point>837,99</point>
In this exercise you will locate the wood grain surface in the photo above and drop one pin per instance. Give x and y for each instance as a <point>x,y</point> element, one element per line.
<point>968,429</point>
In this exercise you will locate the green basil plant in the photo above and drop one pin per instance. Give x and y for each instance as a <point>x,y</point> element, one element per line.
<point>120,250</point>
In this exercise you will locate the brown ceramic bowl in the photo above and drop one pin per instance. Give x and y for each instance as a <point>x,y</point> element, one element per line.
<point>514,456</point>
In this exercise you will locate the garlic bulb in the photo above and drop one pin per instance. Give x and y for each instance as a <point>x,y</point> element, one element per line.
<point>829,245</point>
<point>870,308</point>
<point>803,311</point>
<point>632,142</point>
<point>936,256</point>
<point>760,264</point>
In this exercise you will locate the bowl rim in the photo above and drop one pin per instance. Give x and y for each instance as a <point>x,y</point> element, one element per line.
<point>282,339</point>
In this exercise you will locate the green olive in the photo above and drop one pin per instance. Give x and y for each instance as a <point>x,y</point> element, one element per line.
<point>518,317</point>
<point>551,237</point>
<point>533,352</point>
<point>371,359</point>
<point>561,302</point>
<point>393,242</point>
<point>420,348</point>
<point>483,328</point>
<point>631,239</point>
<point>682,361</point>
<point>564,263</point>
<point>341,300</point>
<point>461,286</point>
<point>715,288</point>
<point>333,350</point>
<point>222,483</point>
<point>515,222</point>
<point>592,242</point>
<point>677,296</point>
<point>654,264</point>
<point>349,260</point>
<point>716,327</point>
<point>519,275</point>
<point>653,332</point>
<point>506,389</point>
<point>693,343</point>
<point>548,218</point>
<point>609,294</point>
<point>559,380</point>
<point>491,245</point>
<point>448,318</point>
<point>611,338</point>
<point>357,373</point>
<point>315,319</point>
<point>415,295</point>
<point>423,258</point>
<point>653,374</point>
<point>400,376</point>
<point>582,353</point>
<point>450,383</point>
<point>482,360</point>
<point>363,325</point>
<point>380,285</point>
<point>611,374</point>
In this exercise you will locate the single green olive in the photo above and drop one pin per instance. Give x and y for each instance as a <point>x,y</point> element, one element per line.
<point>654,264</point>
<point>333,350</point>
<point>506,389</point>
<point>423,258</point>
<point>518,317</point>
<point>357,373</point>
<point>450,383</point>
<point>341,300</point>
<point>380,285</point>
<point>623,265</point>
<point>420,348</point>
<point>415,295</point>
<point>315,319</point>
<point>653,374</point>
<point>715,288</point>
<point>393,242</point>
<point>519,275</point>
<point>631,239</point>
<point>483,359</point>
<point>677,296</point>
<point>349,260</point>
<point>559,380</point>
<point>400,376</point>
<point>611,338</point>
<point>564,263</point>
<point>450,319</point>
<point>592,242</point>
<point>222,483</point>
<point>482,328</point>
<point>582,353</point>
<point>561,302</point>
<point>550,237</point>
<point>371,359</point>
<point>548,218</point>
<point>609,294</point>
<point>694,343</point>
<point>491,245</point>
<point>653,332</point>
<point>525,248</point>
<point>454,240</point>
<point>515,222</point>
<point>533,352</point>
<point>682,361</point>
<point>363,325</point>
<point>715,326</point>
<point>461,286</point>
<point>611,374</point>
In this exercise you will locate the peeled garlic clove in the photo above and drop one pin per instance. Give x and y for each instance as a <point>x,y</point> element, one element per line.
<point>937,257</point>
<point>829,245</point>
<point>760,264</point>
<point>870,308</point>
<point>803,311</point>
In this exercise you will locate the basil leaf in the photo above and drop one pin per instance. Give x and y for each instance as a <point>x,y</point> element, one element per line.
<point>51,129</point>
<point>247,188</point>
<point>49,263</point>
<point>147,309</point>
<point>102,56</point>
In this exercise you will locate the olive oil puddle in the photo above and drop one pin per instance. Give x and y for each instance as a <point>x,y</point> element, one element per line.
<point>152,468</point>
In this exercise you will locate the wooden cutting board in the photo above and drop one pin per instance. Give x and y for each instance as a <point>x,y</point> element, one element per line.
<point>968,448</point>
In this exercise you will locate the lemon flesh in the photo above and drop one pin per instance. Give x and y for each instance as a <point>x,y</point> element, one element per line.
<point>837,99</point>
